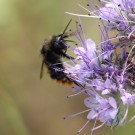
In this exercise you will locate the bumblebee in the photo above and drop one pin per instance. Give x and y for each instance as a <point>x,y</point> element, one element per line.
<point>52,50</point>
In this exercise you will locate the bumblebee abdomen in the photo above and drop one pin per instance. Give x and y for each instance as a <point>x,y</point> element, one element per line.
<point>59,76</point>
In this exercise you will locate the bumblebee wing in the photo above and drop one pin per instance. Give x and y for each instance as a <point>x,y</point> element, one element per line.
<point>41,71</point>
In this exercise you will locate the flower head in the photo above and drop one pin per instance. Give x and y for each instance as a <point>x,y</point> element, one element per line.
<point>105,72</point>
<point>106,78</point>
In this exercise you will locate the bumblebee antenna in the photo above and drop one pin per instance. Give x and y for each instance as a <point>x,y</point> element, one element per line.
<point>65,28</point>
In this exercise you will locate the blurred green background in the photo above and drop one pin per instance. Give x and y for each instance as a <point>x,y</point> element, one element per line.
<point>28,105</point>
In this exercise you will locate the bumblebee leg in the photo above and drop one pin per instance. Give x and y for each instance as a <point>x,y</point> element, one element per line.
<point>67,56</point>
<point>70,41</point>
<point>48,64</point>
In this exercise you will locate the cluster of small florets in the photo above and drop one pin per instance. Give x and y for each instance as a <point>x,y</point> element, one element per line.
<point>106,72</point>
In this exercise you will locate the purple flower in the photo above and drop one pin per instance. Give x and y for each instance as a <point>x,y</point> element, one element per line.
<point>105,78</point>
<point>102,109</point>
<point>105,72</point>
<point>118,13</point>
